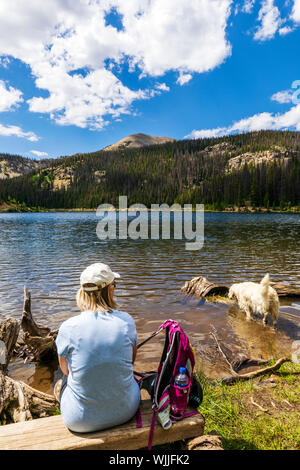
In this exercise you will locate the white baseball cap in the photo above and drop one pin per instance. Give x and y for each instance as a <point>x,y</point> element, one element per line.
<point>97,275</point>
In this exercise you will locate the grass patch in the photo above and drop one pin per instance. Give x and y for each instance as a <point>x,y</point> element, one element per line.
<point>229,410</point>
<point>55,411</point>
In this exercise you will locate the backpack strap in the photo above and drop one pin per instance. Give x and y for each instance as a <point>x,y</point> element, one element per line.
<point>191,413</point>
<point>151,433</point>
<point>152,429</point>
<point>187,414</point>
<point>138,415</point>
<point>138,418</point>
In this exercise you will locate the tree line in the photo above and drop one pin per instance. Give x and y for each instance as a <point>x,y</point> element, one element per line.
<point>184,172</point>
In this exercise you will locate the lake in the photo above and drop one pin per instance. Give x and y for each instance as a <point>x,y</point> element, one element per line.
<point>48,251</point>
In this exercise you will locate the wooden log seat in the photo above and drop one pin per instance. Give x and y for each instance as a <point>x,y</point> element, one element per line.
<point>51,434</point>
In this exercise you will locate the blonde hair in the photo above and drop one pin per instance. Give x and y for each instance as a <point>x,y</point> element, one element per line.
<point>97,301</point>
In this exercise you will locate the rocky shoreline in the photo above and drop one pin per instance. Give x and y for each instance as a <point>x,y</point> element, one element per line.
<point>6,208</point>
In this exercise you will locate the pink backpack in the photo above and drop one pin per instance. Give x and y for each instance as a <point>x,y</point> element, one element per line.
<point>169,400</point>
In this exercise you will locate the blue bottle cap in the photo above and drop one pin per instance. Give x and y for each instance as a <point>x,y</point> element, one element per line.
<point>182,370</point>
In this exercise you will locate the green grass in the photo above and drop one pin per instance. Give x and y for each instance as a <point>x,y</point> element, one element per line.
<point>55,411</point>
<point>228,410</point>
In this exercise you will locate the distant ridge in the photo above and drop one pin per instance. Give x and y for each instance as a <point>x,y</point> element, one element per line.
<point>138,140</point>
<point>15,165</point>
<point>12,166</point>
<point>250,170</point>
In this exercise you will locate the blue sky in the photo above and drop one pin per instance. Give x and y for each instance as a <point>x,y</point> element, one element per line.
<point>80,76</point>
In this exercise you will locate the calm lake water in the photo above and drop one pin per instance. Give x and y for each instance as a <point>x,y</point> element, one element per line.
<point>47,252</point>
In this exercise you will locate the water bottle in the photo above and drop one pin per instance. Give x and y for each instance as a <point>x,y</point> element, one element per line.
<point>179,403</point>
<point>181,379</point>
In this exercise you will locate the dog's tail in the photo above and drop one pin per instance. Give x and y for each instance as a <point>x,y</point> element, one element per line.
<point>265,283</point>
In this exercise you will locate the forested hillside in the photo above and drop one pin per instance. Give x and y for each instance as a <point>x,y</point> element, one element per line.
<point>257,169</point>
<point>14,165</point>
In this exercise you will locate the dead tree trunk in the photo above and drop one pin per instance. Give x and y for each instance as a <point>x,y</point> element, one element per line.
<point>286,290</point>
<point>235,365</point>
<point>18,401</point>
<point>39,341</point>
<point>201,287</point>
<point>9,332</point>
<point>256,373</point>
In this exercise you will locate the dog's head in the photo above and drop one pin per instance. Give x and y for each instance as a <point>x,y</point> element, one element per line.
<point>231,294</point>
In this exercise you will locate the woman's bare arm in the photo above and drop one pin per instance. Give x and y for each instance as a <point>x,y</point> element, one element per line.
<point>134,354</point>
<point>63,363</point>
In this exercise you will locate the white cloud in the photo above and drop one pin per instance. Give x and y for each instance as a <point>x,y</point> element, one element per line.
<point>262,121</point>
<point>285,30</point>
<point>269,16</point>
<point>248,6</point>
<point>4,62</point>
<point>296,11</point>
<point>281,97</point>
<point>162,87</point>
<point>9,97</point>
<point>184,78</point>
<point>38,153</point>
<point>75,55</point>
<point>83,101</point>
<point>16,131</point>
<point>207,133</point>
<point>158,89</point>
<point>175,34</point>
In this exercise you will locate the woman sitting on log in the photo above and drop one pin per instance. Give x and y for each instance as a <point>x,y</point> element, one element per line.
<point>96,351</point>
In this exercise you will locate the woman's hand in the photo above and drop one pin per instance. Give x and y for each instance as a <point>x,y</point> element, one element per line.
<point>63,363</point>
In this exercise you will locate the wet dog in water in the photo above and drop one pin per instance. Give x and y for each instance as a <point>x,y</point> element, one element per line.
<point>257,298</point>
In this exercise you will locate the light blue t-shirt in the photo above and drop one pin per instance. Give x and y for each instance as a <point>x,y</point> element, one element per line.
<point>101,391</point>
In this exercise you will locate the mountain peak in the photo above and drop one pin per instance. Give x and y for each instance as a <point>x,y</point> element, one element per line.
<point>138,140</point>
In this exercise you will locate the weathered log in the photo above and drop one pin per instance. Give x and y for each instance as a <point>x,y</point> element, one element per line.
<point>248,361</point>
<point>201,287</point>
<point>28,324</point>
<point>214,335</point>
<point>256,373</point>
<point>9,331</point>
<point>39,341</point>
<point>18,401</point>
<point>234,361</point>
<point>285,290</point>
<point>52,434</point>
<point>211,441</point>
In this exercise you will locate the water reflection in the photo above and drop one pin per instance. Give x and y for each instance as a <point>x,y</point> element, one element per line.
<point>48,251</point>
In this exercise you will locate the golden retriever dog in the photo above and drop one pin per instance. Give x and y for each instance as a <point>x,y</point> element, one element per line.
<point>255,297</point>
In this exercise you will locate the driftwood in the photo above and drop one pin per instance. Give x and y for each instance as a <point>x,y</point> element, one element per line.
<point>18,401</point>
<point>256,373</point>
<point>201,287</point>
<point>214,335</point>
<point>235,366</point>
<point>9,331</point>
<point>211,441</point>
<point>234,360</point>
<point>285,290</point>
<point>38,342</point>
<point>247,361</point>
